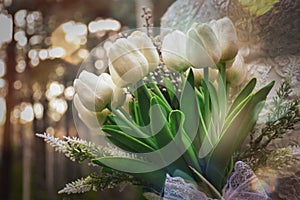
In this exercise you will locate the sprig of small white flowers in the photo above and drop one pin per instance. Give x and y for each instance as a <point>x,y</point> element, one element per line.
<point>85,150</point>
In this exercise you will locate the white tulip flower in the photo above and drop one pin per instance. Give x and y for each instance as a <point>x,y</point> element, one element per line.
<point>132,59</point>
<point>174,51</point>
<point>96,92</point>
<point>227,37</point>
<point>203,46</point>
<point>236,71</point>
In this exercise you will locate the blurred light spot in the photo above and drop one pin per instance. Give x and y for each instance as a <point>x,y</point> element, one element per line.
<point>69,92</point>
<point>58,105</point>
<point>60,71</point>
<point>2,111</point>
<point>20,18</point>
<point>36,39</point>
<point>32,54</point>
<point>30,18</point>
<point>27,114</point>
<point>83,53</point>
<point>37,95</point>
<point>104,25</point>
<point>6,24</point>
<point>99,64</point>
<point>21,66</point>
<point>35,62</point>
<point>16,112</point>
<point>50,130</point>
<point>74,31</point>
<point>107,45</point>
<point>2,68</point>
<point>2,83</point>
<point>56,52</point>
<point>7,3</point>
<point>55,116</point>
<point>99,52</point>
<point>21,38</point>
<point>43,54</point>
<point>18,84</point>
<point>38,110</point>
<point>47,41</point>
<point>55,89</point>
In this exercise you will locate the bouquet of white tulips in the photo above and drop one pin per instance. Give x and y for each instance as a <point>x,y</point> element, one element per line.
<point>165,108</point>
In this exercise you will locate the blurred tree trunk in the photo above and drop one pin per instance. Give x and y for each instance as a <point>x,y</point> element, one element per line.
<point>6,164</point>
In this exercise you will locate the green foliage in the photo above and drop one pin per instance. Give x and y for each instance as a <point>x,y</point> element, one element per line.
<point>108,179</point>
<point>282,117</point>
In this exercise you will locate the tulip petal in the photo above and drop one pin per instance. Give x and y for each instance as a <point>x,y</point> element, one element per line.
<point>87,96</point>
<point>88,117</point>
<point>227,36</point>
<point>89,79</point>
<point>203,47</point>
<point>237,72</point>
<point>118,97</point>
<point>174,51</point>
<point>128,63</point>
<point>145,45</point>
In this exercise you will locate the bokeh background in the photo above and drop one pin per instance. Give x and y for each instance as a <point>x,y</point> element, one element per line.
<point>42,45</point>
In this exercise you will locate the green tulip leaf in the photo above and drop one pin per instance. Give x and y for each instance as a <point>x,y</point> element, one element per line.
<point>143,97</point>
<point>243,94</point>
<point>158,118</point>
<point>189,108</point>
<point>176,120</point>
<point>126,139</point>
<point>239,128</point>
<point>156,178</point>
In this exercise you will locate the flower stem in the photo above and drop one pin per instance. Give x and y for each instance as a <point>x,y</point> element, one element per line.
<point>217,193</point>
<point>206,97</point>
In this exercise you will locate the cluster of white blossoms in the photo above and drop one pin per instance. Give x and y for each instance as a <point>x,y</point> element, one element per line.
<point>206,45</point>
<point>131,59</point>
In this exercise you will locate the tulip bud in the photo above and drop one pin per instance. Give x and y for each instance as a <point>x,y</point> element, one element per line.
<point>227,37</point>
<point>131,59</point>
<point>145,45</point>
<point>236,71</point>
<point>96,92</point>
<point>174,51</point>
<point>203,47</point>
<point>199,75</point>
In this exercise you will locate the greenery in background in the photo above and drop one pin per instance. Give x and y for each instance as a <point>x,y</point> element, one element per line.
<point>282,117</point>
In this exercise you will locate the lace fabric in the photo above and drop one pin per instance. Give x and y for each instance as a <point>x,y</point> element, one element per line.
<point>242,184</point>
<point>177,189</point>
